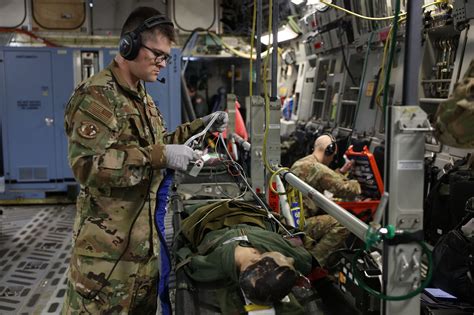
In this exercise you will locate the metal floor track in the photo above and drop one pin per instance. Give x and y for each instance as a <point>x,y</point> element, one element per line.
<point>35,246</point>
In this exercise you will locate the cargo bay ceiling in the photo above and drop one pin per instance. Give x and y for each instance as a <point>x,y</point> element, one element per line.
<point>105,17</point>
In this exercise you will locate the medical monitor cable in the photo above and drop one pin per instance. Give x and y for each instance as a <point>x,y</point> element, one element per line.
<point>228,162</point>
<point>258,199</point>
<point>190,143</point>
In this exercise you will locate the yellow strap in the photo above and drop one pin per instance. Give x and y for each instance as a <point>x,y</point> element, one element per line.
<point>291,196</point>
<point>255,307</point>
<point>302,218</point>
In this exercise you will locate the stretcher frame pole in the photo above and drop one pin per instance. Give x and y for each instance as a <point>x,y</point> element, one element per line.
<point>351,222</point>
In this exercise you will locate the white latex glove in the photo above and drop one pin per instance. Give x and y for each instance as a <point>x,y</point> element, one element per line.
<point>178,156</point>
<point>220,124</point>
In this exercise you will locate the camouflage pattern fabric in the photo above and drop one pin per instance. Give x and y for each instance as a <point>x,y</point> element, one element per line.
<point>130,290</point>
<point>454,119</point>
<point>322,178</point>
<point>116,138</point>
<point>327,231</point>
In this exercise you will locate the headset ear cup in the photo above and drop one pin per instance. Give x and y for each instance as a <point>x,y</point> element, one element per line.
<point>125,46</point>
<point>130,45</point>
<point>137,43</point>
<point>332,147</point>
<point>329,149</point>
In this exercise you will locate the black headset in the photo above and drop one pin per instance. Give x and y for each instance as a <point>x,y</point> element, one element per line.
<point>332,147</point>
<point>131,42</point>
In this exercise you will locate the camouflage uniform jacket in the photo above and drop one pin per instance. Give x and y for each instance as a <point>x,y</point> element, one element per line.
<point>116,147</point>
<point>454,119</point>
<point>322,178</point>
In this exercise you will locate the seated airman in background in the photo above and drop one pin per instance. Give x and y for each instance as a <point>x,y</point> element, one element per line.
<point>313,169</point>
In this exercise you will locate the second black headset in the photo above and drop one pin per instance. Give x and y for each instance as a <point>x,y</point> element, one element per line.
<point>131,42</point>
<point>332,147</point>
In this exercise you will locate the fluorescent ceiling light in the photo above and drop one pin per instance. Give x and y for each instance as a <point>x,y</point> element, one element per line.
<point>297,1</point>
<point>284,33</point>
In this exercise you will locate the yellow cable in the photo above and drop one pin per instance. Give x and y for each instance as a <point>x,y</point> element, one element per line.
<point>384,57</point>
<point>255,307</point>
<point>382,65</point>
<point>377,18</point>
<point>267,109</point>
<point>302,214</point>
<point>236,52</point>
<point>290,195</point>
<point>272,177</point>
<point>382,72</point>
<point>403,18</point>
<point>385,52</point>
<point>356,14</point>
<point>267,100</point>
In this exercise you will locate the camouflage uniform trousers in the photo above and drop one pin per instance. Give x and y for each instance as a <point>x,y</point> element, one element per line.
<point>131,289</point>
<point>328,233</point>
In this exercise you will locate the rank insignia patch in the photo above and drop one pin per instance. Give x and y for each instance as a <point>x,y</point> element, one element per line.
<point>88,130</point>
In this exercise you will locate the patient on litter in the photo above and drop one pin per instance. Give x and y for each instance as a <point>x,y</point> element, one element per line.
<point>235,245</point>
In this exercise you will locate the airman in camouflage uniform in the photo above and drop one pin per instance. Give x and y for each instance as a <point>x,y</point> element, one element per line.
<point>313,169</point>
<point>117,148</point>
<point>454,121</point>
